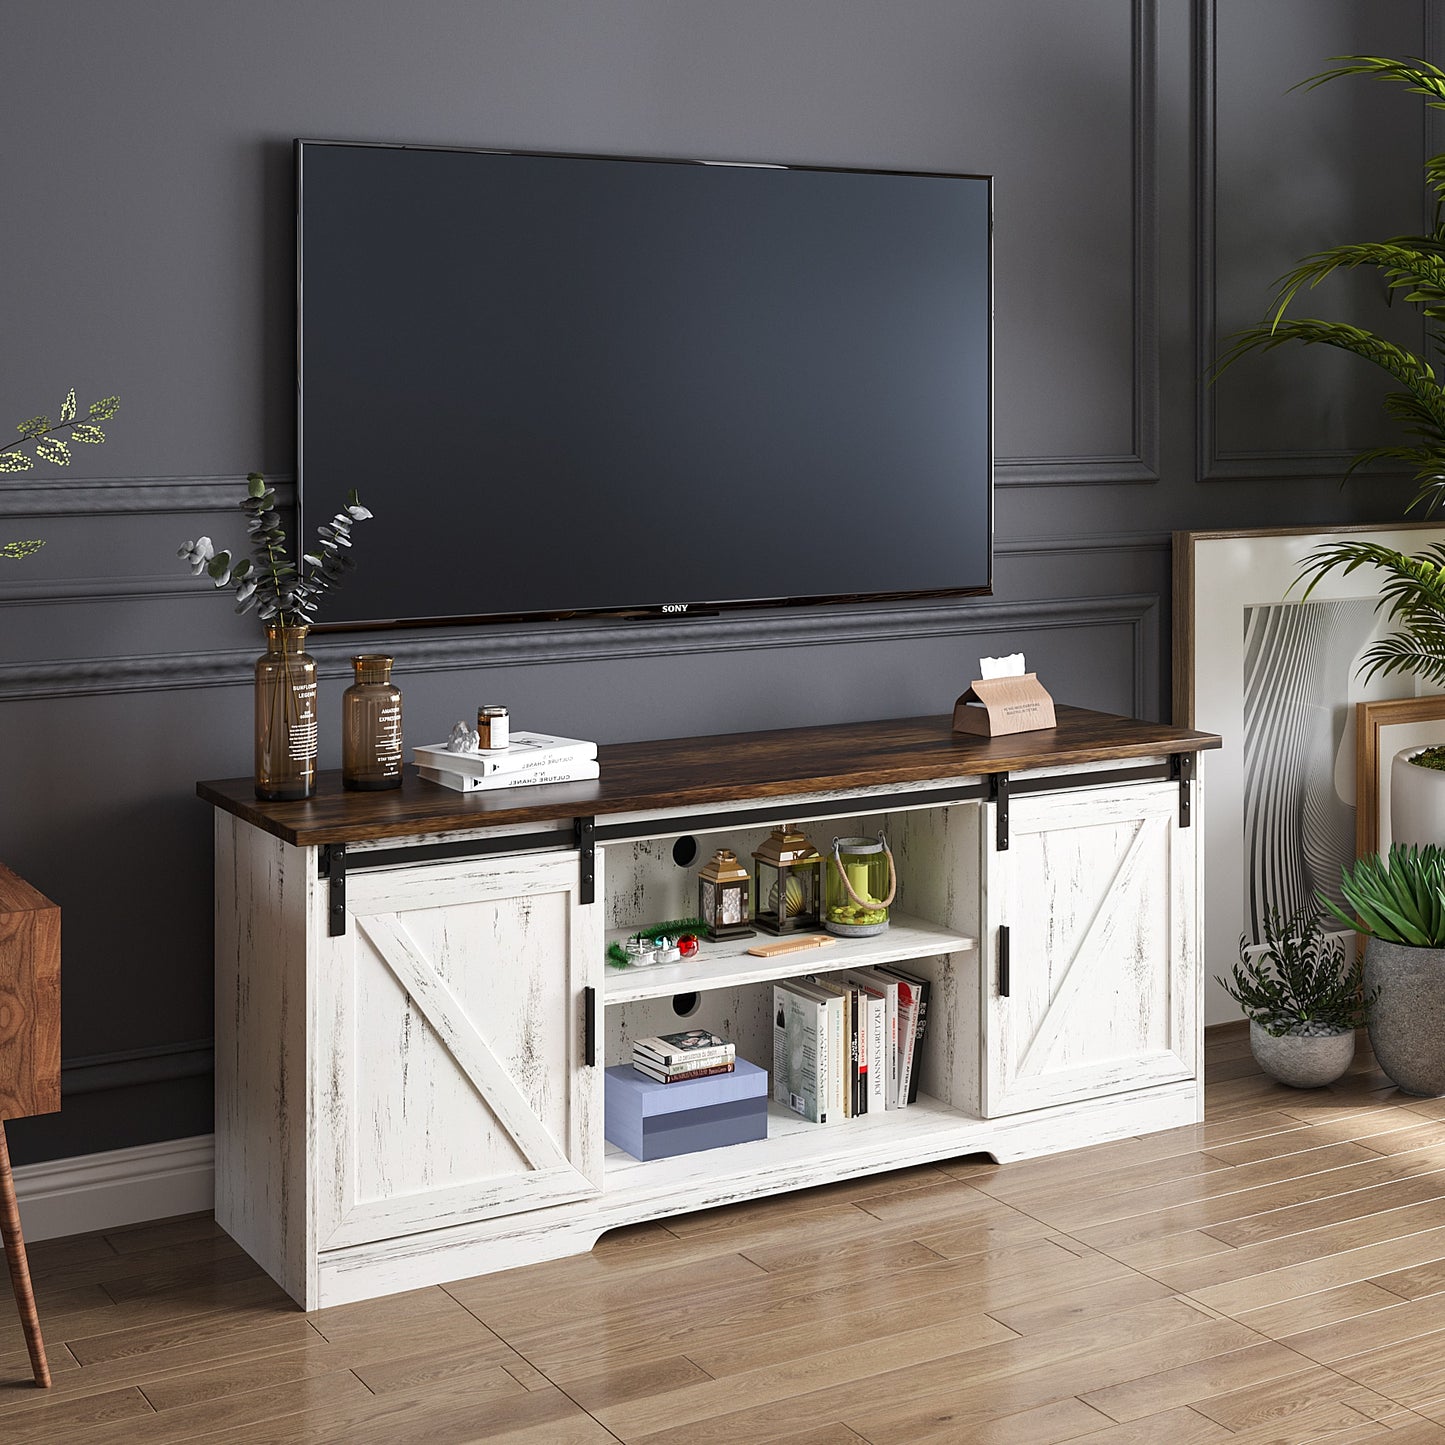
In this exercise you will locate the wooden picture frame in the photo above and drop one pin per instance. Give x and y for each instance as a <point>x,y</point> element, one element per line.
<point>1381,730</point>
<point>1236,616</point>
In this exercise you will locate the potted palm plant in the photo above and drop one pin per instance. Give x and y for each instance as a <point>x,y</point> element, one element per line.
<point>1303,1005</point>
<point>1399,905</point>
<point>1411,269</point>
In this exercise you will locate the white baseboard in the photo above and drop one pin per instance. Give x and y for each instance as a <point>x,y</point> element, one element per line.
<point>122,1186</point>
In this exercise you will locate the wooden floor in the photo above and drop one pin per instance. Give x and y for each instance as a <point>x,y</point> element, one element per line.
<point>1275,1274</point>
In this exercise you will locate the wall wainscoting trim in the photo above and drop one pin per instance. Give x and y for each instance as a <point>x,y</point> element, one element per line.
<point>103,589</point>
<point>1094,542</point>
<point>181,586</point>
<point>61,496</point>
<point>116,1188</point>
<point>160,1064</point>
<point>529,646</point>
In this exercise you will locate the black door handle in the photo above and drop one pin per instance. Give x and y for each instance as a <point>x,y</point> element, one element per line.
<point>1003,961</point>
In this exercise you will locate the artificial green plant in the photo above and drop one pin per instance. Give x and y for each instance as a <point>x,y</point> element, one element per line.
<point>43,440</point>
<point>1296,982</point>
<point>1399,898</point>
<point>268,580</point>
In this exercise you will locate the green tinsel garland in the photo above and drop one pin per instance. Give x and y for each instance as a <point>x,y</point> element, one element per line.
<point>617,955</point>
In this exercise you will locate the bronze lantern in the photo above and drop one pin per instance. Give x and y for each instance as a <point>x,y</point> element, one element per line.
<point>787,882</point>
<point>723,886</point>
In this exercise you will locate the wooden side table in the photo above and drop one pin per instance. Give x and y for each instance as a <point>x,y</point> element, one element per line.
<point>29,1062</point>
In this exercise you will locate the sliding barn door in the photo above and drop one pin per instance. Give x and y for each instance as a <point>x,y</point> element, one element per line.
<point>450,1063</point>
<point>1091,967</point>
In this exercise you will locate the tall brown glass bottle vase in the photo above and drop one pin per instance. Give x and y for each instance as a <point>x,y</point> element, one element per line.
<point>29,1064</point>
<point>285,716</point>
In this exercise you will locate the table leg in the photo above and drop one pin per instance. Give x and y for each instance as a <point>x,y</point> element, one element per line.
<point>19,1268</point>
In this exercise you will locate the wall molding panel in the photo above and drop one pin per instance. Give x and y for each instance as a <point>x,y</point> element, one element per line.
<point>1140,466</point>
<point>1279,464</point>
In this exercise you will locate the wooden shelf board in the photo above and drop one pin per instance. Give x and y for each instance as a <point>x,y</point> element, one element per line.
<point>728,964</point>
<point>795,1143</point>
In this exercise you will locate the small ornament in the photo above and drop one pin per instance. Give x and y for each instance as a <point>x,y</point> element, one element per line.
<point>463,739</point>
<point>641,951</point>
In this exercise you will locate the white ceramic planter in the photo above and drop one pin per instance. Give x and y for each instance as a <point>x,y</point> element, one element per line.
<point>1417,801</point>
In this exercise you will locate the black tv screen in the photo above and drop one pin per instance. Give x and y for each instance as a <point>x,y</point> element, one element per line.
<point>569,384</point>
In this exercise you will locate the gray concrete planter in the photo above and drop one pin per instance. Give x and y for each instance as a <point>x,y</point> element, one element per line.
<point>1303,1061</point>
<point>1407,1023</point>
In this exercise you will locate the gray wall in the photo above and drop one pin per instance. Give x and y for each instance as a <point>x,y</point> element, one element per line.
<point>1152,178</point>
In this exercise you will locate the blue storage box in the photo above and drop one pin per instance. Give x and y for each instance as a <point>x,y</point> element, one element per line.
<point>655,1121</point>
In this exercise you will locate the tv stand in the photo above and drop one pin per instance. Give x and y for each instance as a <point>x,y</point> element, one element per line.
<point>413,1012</point>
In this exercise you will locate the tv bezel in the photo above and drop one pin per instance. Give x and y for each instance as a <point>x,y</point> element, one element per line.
<point>673,609</point>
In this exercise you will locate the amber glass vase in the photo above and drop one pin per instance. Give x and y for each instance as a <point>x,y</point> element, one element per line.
<point>371,726</point>
<point>285,716</point>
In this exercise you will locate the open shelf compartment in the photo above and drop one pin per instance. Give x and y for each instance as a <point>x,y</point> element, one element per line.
<point>728,963</point>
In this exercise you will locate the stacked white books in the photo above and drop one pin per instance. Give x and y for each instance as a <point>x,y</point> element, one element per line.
<point>531,760</point>
<point>670,1058</point>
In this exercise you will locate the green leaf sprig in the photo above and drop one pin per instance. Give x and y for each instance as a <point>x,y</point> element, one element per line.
<point>1399,898</point>
<point>269,580</point>
<point>40,441</point>
<point>1297,978</point>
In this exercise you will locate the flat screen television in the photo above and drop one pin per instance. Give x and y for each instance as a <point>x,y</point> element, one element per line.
<point>574,385</point>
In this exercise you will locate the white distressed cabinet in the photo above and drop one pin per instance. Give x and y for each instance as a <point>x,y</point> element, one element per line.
<point>413,1013</point>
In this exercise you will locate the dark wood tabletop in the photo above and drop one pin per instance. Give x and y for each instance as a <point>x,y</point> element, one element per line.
<point>705,771</point>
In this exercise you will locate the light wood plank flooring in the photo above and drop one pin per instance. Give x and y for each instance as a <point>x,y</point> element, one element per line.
<point>1275,1274</point>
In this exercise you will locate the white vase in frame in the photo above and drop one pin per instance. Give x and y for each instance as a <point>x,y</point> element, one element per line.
<point>1417,801</point>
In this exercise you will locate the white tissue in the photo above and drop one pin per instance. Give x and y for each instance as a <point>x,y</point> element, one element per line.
<point>1010,666</point>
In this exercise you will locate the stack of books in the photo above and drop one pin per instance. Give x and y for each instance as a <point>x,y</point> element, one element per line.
<point>670,1058</point>
<point>532,759</point>
<point>846,1044</point>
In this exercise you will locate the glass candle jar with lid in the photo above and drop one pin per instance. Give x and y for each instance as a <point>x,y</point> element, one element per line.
<point>371,747</point>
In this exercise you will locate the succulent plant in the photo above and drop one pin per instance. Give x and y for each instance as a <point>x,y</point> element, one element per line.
<point>1399,898</point>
